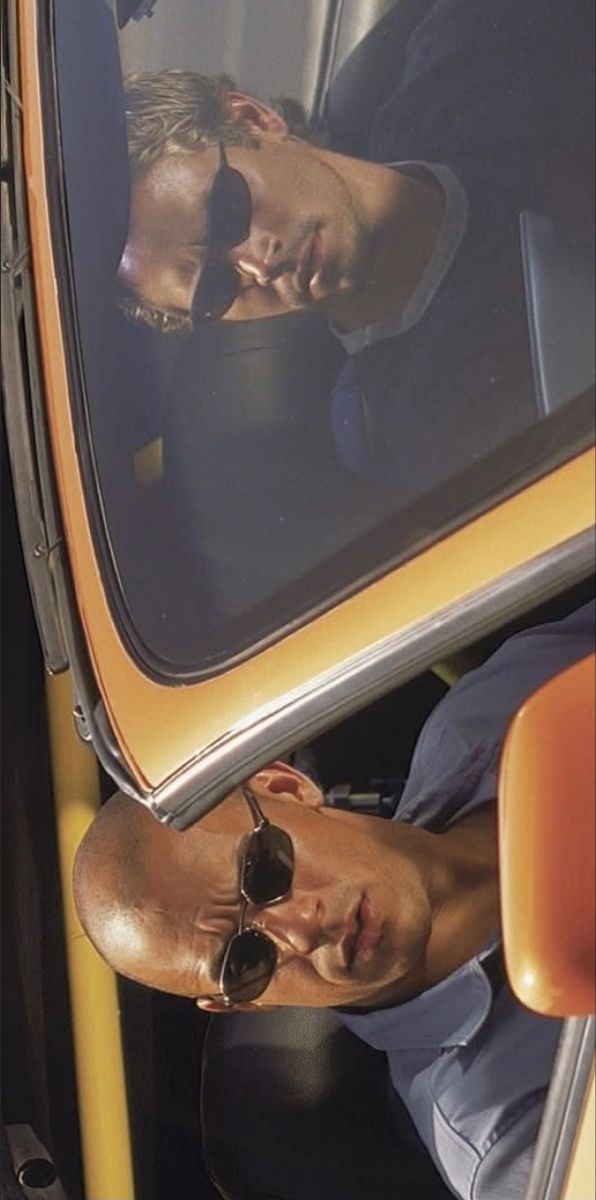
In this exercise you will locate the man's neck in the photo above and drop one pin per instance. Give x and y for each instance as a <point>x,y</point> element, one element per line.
<point>466,912</point>
<point>463,883</point>
<point>404,212</point>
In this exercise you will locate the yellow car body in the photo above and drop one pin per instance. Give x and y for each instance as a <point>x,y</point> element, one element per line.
<point>179,746</point>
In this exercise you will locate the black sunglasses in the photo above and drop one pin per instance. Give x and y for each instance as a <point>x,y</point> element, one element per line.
<point>266,874</point>
<point>229,211</point>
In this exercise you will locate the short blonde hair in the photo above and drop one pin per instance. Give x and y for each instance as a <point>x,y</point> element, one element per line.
<point>173,112</point>
<point>170,112</point>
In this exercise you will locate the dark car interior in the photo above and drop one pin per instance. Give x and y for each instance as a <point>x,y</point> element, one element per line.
<point>288,1105</point>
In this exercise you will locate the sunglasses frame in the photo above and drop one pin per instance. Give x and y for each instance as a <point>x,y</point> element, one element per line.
<point>261,822</point>
<point>215,247</point>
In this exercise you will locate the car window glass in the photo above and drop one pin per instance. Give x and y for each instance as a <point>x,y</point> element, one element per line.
<point>245,475</point>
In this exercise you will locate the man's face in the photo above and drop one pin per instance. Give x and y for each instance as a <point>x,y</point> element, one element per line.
<point>355,925</point>
<point>307,245</point>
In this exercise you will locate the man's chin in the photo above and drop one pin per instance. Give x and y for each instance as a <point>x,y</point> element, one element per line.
<point>394,985</point>
<point>373,1002</point>
<point>367,1002</point>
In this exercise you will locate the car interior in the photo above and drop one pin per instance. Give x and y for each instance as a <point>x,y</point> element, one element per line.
<point>284,1105</point>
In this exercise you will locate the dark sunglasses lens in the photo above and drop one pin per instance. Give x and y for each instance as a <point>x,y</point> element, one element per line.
<point>215,292</point>
<point>229,209</point>
<point>268,866</point>
<point>249,965</point>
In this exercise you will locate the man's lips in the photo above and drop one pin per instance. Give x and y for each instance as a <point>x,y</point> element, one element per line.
<point>309,268</point>
<point>368,934</point>
<point>362,936</point>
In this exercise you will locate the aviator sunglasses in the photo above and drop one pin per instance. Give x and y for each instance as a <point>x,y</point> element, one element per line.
<point>229,211</point>
<point>266,874</point>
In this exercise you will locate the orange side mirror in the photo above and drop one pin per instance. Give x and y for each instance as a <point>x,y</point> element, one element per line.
<point>546,845</point>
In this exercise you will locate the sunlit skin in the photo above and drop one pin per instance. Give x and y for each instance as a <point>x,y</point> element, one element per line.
<point>431,899</point>
<point>327,231</point>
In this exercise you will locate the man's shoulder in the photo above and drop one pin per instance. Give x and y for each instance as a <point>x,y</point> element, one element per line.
<point>455,1055</point>
<point>473,74</point>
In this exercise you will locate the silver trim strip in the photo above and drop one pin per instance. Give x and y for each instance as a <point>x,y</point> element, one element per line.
<point>566,1094</point>
<point>358,681</point>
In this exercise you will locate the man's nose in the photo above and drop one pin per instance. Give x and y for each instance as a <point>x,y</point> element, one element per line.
<point>256,258</point>
<point>295,922</point>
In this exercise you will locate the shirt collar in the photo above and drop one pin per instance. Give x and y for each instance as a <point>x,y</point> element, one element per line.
<point>446,1015</point>
<point>455,219</point>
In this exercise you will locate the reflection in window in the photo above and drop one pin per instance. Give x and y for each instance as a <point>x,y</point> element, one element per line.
<point>248,473</point>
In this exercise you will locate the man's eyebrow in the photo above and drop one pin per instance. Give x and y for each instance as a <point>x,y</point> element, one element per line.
<point>140,311</point>
<point>213,966</point>
<point>215,961</point>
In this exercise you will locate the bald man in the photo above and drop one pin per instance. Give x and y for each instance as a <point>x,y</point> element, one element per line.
<point>160,904</point>
<point>274,899</point>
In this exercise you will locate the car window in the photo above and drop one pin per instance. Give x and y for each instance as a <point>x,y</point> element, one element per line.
<point>243,476</point>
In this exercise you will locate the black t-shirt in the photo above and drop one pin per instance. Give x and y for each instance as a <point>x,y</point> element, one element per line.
<point>500,93</point>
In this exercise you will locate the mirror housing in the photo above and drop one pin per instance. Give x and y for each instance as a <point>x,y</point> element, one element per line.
<point>546,845</point>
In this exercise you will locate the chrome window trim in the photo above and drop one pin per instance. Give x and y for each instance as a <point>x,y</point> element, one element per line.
<point>330,697</point>
<point>566,1095</point>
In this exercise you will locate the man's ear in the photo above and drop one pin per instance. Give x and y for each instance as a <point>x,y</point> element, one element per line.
<point>256,117</point>
<point>279,779</point>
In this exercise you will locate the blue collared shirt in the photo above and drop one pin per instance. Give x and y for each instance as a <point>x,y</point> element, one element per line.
<point>472,1067</point>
